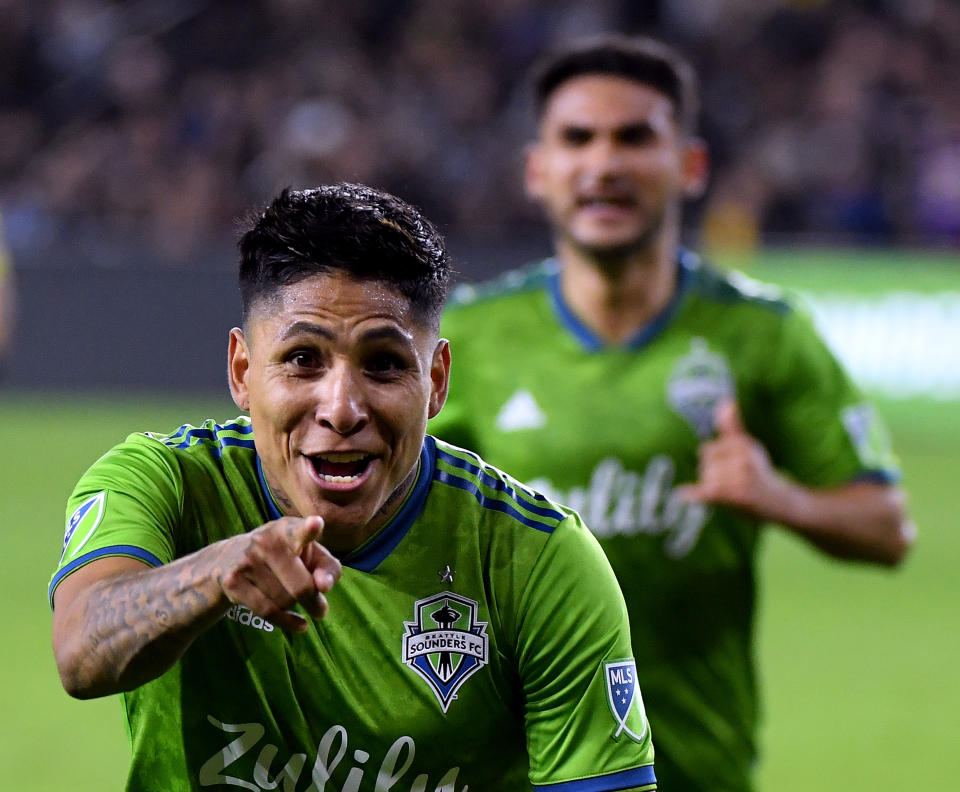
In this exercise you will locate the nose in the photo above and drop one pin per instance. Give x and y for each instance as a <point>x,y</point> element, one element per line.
<point>604,157</point>
<point>341,404</point>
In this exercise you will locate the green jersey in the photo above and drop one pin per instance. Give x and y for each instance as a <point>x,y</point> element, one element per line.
<point>612,430</point>
<point>478,641</point>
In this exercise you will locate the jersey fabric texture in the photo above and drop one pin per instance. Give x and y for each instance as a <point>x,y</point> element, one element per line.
<point>612,430</point>
<point>478,641</point>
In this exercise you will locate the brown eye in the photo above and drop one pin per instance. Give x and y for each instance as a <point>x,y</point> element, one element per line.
<point>385,364</point>
<point>303,359</point>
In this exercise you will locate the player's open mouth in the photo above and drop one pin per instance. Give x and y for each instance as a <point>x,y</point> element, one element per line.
<point>603,201</point>
<point>340,468</point>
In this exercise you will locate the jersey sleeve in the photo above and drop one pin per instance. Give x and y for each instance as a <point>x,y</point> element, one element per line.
<point>127,504</point>
<point>819,427</point>
<point>585,721</point>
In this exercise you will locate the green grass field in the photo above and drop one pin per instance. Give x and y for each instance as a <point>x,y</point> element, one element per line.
<point>859,665</point>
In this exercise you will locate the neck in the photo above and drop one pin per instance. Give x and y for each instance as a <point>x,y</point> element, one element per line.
<point>616,295</point>
<point>344,538</point>
<point>390,507</point>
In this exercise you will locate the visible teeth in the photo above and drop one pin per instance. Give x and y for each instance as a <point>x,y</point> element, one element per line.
<point>338,479</point>
<point>343,456</point>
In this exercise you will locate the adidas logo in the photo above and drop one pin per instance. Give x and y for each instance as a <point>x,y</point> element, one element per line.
<point>520,411</point>
<point>245,616</point>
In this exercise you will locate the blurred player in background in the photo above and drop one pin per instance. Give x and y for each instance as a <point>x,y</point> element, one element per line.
<point>477,637</point>
<point>677,408</point>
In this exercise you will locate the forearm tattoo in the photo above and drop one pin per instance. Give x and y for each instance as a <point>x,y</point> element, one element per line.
<point>137,624</point>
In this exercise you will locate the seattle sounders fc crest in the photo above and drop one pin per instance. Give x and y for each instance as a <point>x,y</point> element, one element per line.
<point>699,381</point>
<point>623,695</point>
<point>445,644</point>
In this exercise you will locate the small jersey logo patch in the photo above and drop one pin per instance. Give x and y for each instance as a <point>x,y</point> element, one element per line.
<point>700,380</point>
<point>519,412</point>
<point>445,643</point>
<point>85,519</point>
<point>623,695</point>
<point>243,615</point>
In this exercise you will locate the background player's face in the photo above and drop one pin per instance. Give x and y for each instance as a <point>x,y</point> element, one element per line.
<point>340,379</point>
<point>610,164</point>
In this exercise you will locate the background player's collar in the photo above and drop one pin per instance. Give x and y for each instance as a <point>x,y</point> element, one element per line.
<point>369,555</point>
<point>590,341</point>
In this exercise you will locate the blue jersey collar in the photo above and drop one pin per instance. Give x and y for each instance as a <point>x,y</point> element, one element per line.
<point>590,341</point>
<point>369,555</point>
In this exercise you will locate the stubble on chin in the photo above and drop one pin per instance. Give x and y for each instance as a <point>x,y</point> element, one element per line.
<point>611,256</point>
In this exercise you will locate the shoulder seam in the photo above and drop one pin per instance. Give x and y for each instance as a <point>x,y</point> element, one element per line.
<point>733,286</point>
<point>497,493</point>
<point>209,433</point>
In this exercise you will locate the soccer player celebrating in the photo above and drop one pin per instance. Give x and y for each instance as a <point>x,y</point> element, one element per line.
<point>675,407</point>
<point>320,594</point>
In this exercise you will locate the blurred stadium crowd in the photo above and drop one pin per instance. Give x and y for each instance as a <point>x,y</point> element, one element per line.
<point>162,120</point>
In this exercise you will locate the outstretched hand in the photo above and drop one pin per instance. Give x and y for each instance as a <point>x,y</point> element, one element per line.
<point>279,564</point>
<point>734,469</point>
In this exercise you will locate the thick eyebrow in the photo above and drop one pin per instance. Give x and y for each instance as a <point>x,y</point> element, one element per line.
<point>576,129</point>
<point>635,126</point>
<point>387,333</point>
<point>306,327</point>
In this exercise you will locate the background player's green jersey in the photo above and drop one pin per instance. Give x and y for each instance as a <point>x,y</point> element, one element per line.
<point>612,430</point>
<point>478,641</point>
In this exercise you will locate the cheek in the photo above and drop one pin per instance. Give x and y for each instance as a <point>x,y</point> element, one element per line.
<point>281,406</point>
<point>662,165</point>
<point>407,414</point>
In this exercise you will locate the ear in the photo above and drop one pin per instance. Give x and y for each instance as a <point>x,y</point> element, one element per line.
<point>238,364</point>
<point>695,167</point>
<point>533,171</point>
<point>439,377</point>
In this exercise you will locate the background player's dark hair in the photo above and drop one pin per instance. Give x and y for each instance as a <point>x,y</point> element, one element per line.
<point>645,60</point>
<point>366,233</point>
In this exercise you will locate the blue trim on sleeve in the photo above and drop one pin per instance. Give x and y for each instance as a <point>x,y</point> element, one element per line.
<point>877,477</point>
<point>640,776</point>
<point>369,556</point>
<point>103,552</point>
<point>645,334</point>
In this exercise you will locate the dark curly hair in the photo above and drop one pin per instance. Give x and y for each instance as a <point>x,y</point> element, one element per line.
<point>352,228</point>
<point>637,58</point>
